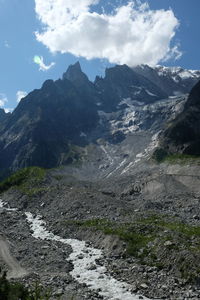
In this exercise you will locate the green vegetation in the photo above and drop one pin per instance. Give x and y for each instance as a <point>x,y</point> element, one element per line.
<point>135,240</point>
<point>161,155</point>
<point>181,228</point>
<point>16,291</point>
<point>182,158</point>
<point>27,180</point>
<point>157,240</point>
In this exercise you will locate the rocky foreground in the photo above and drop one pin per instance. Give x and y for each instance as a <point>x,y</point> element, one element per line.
<point>142,231</point>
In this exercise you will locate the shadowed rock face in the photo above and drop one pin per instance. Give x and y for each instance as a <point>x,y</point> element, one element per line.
<point>122,82</point>
<point>45,124</point>
<point>3,115</point>
<point>183,134</point>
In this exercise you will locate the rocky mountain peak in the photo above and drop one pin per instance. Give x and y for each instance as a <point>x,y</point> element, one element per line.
<point>171,80</point>
<point>117,71</point>
<point>74,73</point>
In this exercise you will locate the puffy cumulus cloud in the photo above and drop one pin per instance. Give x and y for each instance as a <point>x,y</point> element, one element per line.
<point>20,95</point>
<point>39,60</point>
<point>132,34</point>
<point>3,100</point>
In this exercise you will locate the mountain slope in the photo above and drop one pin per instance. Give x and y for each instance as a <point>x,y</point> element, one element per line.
<point>122,82</point>
<point>171,80</point>
<point>3,115</point>
<point>45,123</point>
<point>52,125</point>
<point>183,134</point>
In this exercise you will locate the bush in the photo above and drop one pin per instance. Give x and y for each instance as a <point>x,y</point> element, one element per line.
<point>16,291</point>
<point>32,175</point>
<point>12,291</point>
<point>159,154</point>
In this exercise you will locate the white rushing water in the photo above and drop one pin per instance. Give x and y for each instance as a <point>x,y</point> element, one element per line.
<point>85,269</point>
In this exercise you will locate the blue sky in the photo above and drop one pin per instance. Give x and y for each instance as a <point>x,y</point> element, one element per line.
<point>19,45</point>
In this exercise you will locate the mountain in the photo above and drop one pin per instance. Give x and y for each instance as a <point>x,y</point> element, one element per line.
<point>171,80</point>
<point>3,115</point>
<point>122,82</point>
<point>53,124</point>
<point>105,221</point>
<point>46,122</point>
<point>183,134</point>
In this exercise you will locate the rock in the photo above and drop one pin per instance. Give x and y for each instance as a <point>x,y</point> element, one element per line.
<point>168,244</point>
<point>92,267</point>
<point>144,286</point>
<point>58,292</point>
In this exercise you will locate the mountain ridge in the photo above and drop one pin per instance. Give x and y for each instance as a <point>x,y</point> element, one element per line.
<point>182,135</point>
<point>73,111</point>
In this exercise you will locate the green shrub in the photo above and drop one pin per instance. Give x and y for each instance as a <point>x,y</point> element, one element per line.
<point>24,177</point>
<point>159,154</point>
<point>16,291</point>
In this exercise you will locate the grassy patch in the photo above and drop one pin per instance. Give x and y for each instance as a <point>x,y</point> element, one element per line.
<point>181,228</point>
<point>182,158</point>
<point>135,240</point>
<point>157,240</point>
<point>27,180</point>
<point>160,155</point>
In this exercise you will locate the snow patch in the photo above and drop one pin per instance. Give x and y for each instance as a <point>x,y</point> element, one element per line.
<point>127,167</point>
<point>110,159</point>
<point>177,72</point>
<point>120,165</point>
<point>82,134</point>
<point>150,94</point>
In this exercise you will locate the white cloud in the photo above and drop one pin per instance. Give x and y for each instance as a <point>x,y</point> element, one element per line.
<point>8,110</point>
<point>3,100</point>
<point>20,95</point>
<point>132,34</point>
<point>39,60</point>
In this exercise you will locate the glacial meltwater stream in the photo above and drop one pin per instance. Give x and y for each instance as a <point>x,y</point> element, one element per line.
<point>83,259</point>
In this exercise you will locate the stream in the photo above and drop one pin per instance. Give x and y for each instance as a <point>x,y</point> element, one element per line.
<point>83,258</point>
<point>85,269</point>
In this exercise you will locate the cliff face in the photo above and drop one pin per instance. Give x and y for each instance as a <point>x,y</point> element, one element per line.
<point>44,125</point>
<point>183,134</point>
